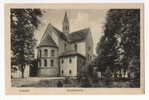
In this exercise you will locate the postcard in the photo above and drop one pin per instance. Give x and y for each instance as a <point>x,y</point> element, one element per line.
<point>74,48</point>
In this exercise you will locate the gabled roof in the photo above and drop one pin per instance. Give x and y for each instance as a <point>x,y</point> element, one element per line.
<point>47,41</point>
<point>78,35</point>
<point>61,34</point>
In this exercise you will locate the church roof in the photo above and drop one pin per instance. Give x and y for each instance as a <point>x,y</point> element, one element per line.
<point>78,36</point>
<point>47,41</point>
<point>71,53</point>
<point>61,34</point>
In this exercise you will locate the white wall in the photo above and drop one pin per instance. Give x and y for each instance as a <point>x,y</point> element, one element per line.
<point>81,48</point>
<point>66,66</point>
<point>89,43</point>
<point>48,70</point>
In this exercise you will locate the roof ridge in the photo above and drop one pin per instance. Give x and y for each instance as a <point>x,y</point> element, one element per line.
<point>56,28</point>
<point>80,30</point>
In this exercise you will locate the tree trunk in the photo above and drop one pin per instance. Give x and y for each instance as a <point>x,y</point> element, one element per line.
<point>22,70</point>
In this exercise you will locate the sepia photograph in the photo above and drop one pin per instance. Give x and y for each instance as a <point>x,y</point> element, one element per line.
<point>75,48</point>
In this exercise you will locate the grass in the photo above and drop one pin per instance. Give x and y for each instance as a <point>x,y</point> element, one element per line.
<point>47,82</point>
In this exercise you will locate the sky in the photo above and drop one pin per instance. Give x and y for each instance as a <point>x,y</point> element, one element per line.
<point>78,19</point>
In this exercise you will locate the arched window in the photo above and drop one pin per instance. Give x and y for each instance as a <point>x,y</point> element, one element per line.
<point>89,48</point>
<point>45,52</point>
<point>75,46</point>
<point>52,53</point>
<point>45,62</point>
<point>67,27</point>
<point>70,72</point>
<point>52,62</point>
<point>70,60</point>
<point>62,72</point>
<point>62,61</point>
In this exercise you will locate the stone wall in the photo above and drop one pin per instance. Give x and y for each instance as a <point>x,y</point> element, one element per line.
<point>48,72</point>
<point>48,69</point>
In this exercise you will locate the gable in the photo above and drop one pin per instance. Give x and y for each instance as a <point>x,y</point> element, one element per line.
<point>47,41</point>
<point>54,33</point>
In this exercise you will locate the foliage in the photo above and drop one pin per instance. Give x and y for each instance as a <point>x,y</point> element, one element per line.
<point>23,24</point>
<point>121,41</point>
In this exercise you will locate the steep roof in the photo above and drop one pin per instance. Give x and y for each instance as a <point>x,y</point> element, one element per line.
<point>47,41</point>
<point>61,34</point>
<point>78,36</point>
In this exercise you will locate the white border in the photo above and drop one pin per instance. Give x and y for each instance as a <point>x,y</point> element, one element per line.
<point>74,97</point>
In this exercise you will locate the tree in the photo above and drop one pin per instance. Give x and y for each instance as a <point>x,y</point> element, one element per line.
<point>121,41</point>
<point>23,24</point>
<point>107,53</point>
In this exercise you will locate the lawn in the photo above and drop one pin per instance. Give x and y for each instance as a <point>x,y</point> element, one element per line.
<point>53,82</point>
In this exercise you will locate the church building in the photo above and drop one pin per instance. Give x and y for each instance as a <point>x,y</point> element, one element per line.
<point>64,53</point>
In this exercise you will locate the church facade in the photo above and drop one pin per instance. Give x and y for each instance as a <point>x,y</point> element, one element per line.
<point>64,53</point>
